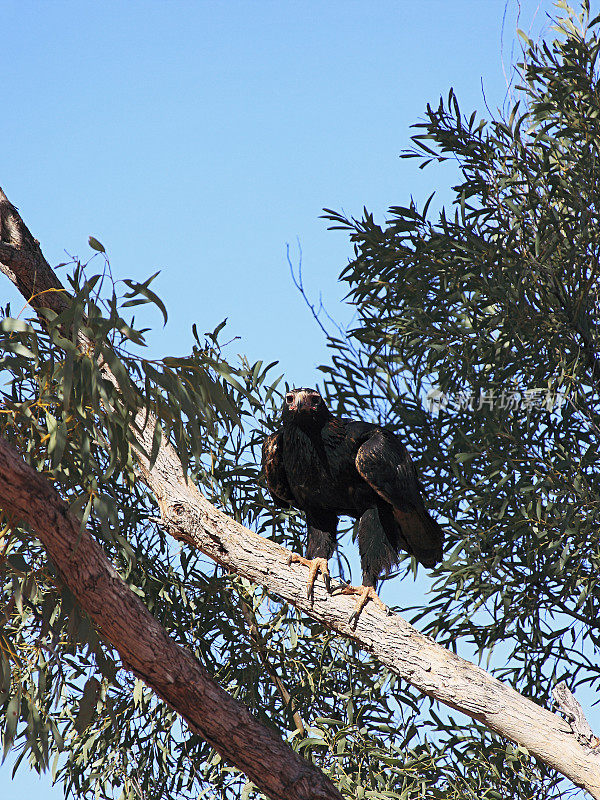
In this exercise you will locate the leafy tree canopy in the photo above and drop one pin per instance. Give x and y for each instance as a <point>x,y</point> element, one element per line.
<point>493,303</point>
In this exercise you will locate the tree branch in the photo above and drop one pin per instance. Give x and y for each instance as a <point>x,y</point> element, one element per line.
<point>261,650</point>
<point>188,516</point>
<point>566,703</point>
<point>23,262</point>
<point>145,647</point>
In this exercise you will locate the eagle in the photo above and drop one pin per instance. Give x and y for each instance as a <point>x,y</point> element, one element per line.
<point>327,466</point>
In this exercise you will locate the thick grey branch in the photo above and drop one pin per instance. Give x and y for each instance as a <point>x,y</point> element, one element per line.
<point>188,515</point>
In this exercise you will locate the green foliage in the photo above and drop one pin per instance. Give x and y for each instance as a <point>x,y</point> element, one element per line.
<point>500,295</point>
<point>67,704</point>
<point>498,299</point>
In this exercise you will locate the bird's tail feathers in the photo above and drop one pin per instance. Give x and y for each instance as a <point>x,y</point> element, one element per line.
<point>422,534</point>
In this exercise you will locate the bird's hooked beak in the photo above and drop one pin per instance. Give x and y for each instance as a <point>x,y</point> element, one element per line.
<point>303,401</point>
<point>306,408</point>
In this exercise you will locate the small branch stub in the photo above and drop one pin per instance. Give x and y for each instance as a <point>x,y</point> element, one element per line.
<point>573,713</point>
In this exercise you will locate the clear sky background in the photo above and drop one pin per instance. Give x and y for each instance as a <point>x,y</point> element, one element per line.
<point>198,138</point>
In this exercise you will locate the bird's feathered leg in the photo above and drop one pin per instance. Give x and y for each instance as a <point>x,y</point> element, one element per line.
<point>376,556</point>
<point>320,544</point>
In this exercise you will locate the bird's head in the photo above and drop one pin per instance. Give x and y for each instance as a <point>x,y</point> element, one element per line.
<point>306,408</point>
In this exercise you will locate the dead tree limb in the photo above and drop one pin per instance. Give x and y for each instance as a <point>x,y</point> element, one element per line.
<point>189,516</point>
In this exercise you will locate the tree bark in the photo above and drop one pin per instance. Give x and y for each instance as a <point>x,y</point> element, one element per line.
<point>145,647</point>
<point>188,516</point>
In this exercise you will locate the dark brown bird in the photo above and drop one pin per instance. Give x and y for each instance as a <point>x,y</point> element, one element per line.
<point>327,466</point>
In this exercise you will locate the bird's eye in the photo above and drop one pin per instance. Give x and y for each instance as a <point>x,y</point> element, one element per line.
<point>289,398</point>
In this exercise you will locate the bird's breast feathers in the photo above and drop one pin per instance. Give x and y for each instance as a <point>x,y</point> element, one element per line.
<point>319,473</point>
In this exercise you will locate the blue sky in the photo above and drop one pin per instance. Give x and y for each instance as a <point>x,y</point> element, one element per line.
<point>198,138</point>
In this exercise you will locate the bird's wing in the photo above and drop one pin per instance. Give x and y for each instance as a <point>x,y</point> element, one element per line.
<point>272,462</point>
<point>385,464</point>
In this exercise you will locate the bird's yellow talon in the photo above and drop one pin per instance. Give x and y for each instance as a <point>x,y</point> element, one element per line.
<point>315,565</point>
<point>364,594</point>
